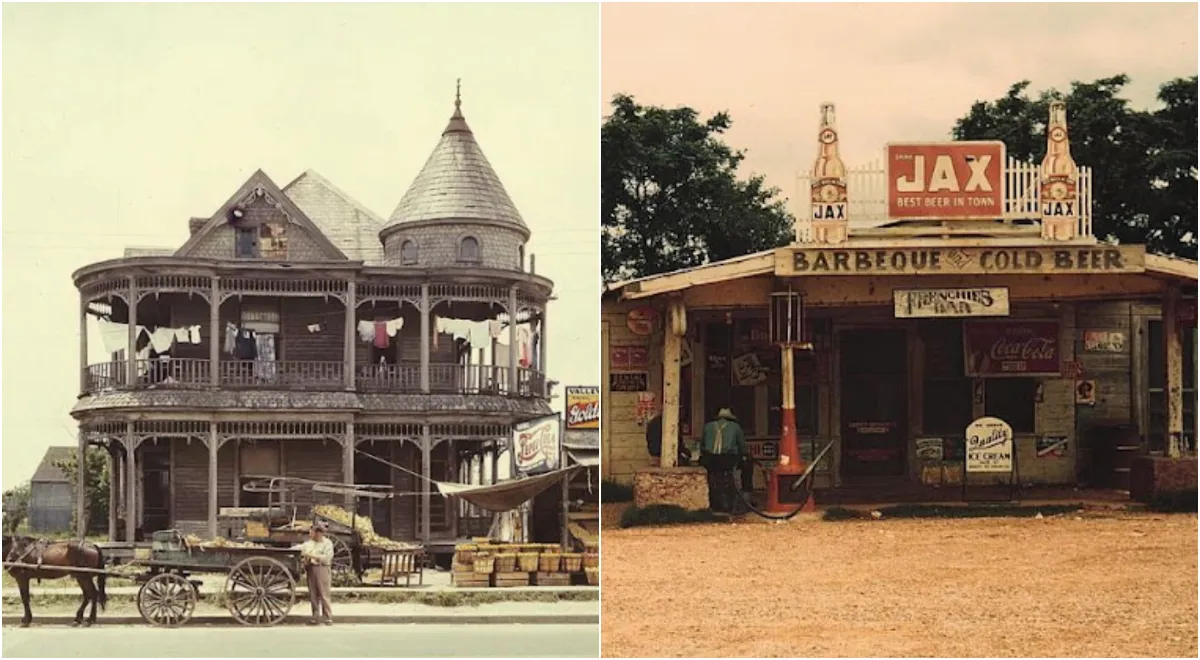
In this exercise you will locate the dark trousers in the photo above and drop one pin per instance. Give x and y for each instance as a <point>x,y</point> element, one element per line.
<point>722,493</point>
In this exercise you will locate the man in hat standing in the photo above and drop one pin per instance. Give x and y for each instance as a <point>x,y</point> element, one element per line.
<point>317,555</point>
<point>721,449</point>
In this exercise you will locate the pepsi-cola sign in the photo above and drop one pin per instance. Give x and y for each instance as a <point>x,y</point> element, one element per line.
<point>537,445</point>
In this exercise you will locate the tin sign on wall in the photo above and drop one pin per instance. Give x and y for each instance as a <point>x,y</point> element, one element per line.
<point>950,303</point>
<point>537,445</point>
<point>989,445</point>
<point>583,408</point>
<point>945,181</point>
<point>1011,348</point>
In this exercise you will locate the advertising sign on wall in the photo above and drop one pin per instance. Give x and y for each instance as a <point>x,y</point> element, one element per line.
<point>632,381</point>
<point>1104,341</point>
<point>583,407</point>
<point>537,445</point>
<point>1051,446</point>
<point>1011,348</point>
<point>946,181</point>
<point>989,445</point>
<point>950,303</point>
<point>956,260</point>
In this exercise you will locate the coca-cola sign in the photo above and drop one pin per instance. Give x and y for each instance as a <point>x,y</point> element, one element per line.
<point>536,446</point>
<point>583,408</point>
<point>1012,348</point>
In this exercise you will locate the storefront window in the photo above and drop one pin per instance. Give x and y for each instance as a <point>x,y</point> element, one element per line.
<point>1156,401</point>
<point>947,394</point>
<point>1012,400</point>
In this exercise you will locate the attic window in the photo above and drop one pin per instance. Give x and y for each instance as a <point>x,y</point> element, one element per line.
<point>247,243</point>
<point>468,250</point>
<point>408,253</point>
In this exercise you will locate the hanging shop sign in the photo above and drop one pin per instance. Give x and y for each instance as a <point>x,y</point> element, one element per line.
<point>748,370</point>
<point>961,261</point>
<point>631,381</point>
<point>945,181</point>
<point>641,321</point>
<point>1011,348</point>
<point>1051,446</point>
<point>1103,341</point>
<point>583,407</point>
<point>989,445</point>
<point>950,303</point>
<point>537,445</point>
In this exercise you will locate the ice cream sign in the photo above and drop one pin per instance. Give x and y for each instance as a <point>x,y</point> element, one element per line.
<point>536,445</point>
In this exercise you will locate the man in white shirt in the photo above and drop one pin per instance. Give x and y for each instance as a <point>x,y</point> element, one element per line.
<point>317,555</point>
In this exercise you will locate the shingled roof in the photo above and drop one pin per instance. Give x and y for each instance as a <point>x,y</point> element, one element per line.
<point>349,225</point>
<point>456,183</point>
<point>48,470</point>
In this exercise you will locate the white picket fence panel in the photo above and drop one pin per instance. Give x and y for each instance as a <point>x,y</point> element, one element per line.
<point>866,188</point>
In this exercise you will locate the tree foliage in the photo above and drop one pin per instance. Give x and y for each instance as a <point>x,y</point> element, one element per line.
<point>671,194</point>
<point>1143,161</point>
<point>96,481</point>
<point>16,507</point>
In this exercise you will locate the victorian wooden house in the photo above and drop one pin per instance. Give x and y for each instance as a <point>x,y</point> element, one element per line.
<point>296,333</point>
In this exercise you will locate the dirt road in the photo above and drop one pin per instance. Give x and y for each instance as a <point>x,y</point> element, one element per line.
<point>1121,585</point>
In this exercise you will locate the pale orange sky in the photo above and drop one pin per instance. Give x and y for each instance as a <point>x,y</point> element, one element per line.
<point>895,71</point>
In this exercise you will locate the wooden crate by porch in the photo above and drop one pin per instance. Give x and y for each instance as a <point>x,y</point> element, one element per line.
<point>470,579</point>
<point>514,579</point>
<point>552,579</point>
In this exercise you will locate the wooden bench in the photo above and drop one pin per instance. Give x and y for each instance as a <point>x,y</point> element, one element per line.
<point>402,563</point>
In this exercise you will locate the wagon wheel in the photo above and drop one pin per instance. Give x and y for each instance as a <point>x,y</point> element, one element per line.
<point>167,600</point>
<point>260,591</point>
<point>342,566</point>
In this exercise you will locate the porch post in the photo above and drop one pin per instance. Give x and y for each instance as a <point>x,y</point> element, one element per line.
<point>131,347</point>
<point>349,357</point>
<point>214,445</point>
<point>1174,364</point>
<point>672,350</point>
<point>425,338</point>
<point>114,490</point>
<point>130,484</point>
<point>348,460</point>
<point>214,334</point>
<point>83,343</point>
<point>427,472</point>
<point>541,367</point>
<point>512,341</point>
<point>81,485</point>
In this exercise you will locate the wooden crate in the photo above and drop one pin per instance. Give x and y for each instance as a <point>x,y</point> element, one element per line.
<point>470,579</point>
<point>510,579</point>
<point>552,579</point>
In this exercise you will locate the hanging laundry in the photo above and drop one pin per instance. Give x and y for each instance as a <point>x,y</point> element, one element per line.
<point>264,361</point>
<point>244,347</point>
<point>501,354</point>
<point>231,334</point>
<point>366,331</point>
<point>314,327</point>
<point>194,334</point>
<point>162,339</point>
<point>495,328</point>
<point>436,325</point>
<point>523,341</point>
<point>394,326</point>
<point>183,336</point>
<point>537,354</point>
<point>114,336</point>
<point>381,334</point>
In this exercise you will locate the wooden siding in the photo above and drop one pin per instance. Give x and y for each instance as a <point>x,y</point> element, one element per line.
<point>318,460</point>
<point>404,508</point>
<point>624,439</point>
<point>191,480</point>
<point>298,344</point>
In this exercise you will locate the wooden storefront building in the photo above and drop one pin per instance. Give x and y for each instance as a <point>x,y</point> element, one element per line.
<point>925,307</point>
<point>295,331</point>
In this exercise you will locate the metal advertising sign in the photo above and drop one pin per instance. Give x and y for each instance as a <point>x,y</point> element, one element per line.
<point>1011,348</point>
<point>950,303</point>
<point>537,445</point>
<point>989,446</point>
<point>945,181</point>
<point>1104,341</point>
<point>1051,446</point>
<point>583,407</point>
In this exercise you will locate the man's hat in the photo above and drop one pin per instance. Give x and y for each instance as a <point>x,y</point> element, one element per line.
<point>726,413</point>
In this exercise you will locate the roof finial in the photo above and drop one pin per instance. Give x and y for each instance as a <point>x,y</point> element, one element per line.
<point>458,93</point>
<point>457,122</point>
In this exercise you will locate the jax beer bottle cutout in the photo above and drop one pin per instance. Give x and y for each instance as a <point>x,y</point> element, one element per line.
<point>829,209</point>
<point>1059,180</point>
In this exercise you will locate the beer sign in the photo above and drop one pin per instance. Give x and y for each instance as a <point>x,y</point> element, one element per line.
<point>537,445</point>
<point>989,445</point>
<point>1011,348</point>
<point>945,181</point>
<point>583,408</point>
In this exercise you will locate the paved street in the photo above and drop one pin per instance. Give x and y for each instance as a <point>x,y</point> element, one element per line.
<point>366,641</point>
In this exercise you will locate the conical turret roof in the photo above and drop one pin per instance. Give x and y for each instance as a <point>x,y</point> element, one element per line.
<point>456,183</point>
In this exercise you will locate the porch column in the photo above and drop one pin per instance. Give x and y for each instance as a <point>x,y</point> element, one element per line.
<point>542,352</point>
<point>673,332</point>
<point>214,445</point>
<point>81,485</point>
<point>425,338</point>
<point>131,347</point>
<point>214,335</point>
<point>351,333</point>
<point>348,460</point>
<point>427,472</point>
<point>83,344</point>
<point>114,489</point>
<point>130,484</point>
<point>1174,364</point>
<point>513,388</point>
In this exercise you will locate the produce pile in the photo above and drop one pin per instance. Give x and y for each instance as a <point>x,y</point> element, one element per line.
<point>219,542</point>
<point>362,525</point>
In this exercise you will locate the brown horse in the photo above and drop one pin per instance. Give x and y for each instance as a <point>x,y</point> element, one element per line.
<point>54,560</point>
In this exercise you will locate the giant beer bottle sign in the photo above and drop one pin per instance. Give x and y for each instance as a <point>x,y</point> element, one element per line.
<point>1059,179</point>
<point>829,200</point>
<point>945,181</point>
<point>989,445</point>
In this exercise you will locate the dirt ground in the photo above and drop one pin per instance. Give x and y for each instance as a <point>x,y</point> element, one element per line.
<point>1093,585</point>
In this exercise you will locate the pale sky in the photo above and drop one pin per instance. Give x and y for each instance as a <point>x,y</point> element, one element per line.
<point>122,121</point>
<point>896,72</point>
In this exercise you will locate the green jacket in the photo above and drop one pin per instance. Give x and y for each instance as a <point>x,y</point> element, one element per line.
<point>723,436</point>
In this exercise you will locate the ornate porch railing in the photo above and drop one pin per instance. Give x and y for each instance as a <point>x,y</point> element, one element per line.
<point>290,374</point>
